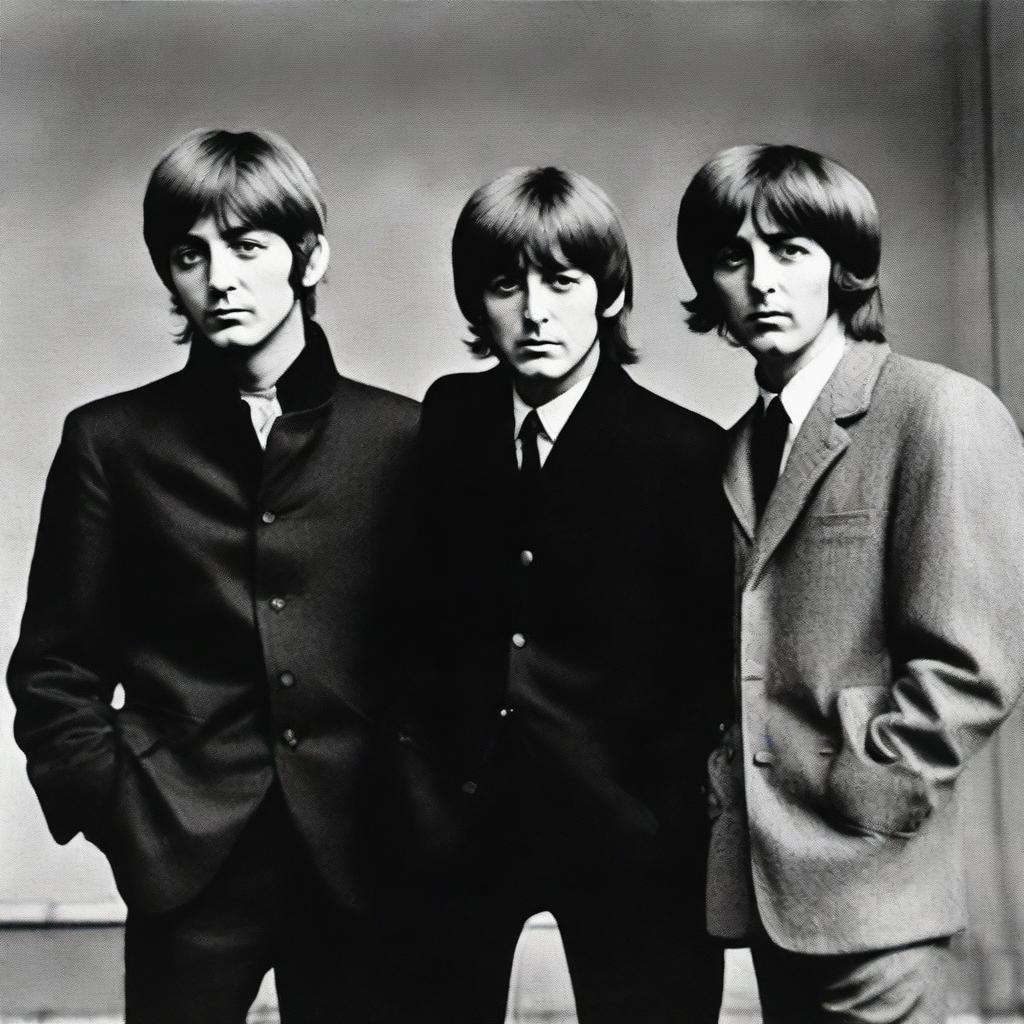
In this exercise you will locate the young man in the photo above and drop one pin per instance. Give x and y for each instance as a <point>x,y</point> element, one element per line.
<point>581,574</point>
<point>878,523</point>
<point>217,543</point>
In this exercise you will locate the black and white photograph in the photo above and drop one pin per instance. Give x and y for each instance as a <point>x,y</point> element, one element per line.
<point>514,512</point>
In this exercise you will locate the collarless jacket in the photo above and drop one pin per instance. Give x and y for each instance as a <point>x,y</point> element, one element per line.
<point>236,595</point>
<point>588,633</point>
<point>880,612</point>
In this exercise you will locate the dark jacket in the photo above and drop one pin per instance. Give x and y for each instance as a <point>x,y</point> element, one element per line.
<point>238,598</point>
<point>594,721</point>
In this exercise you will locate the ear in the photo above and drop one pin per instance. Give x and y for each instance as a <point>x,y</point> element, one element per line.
<point>316,265</point>
<point>616,307</point>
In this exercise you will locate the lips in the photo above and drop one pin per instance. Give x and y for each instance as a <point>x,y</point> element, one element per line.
<point>218,314</point>
<point>767,316</point>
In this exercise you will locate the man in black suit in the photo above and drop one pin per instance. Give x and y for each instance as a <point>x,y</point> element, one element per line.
<point>218,543</point>
<point>580,566</point>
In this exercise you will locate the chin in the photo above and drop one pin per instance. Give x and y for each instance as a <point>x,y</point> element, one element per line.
<point>230,340</point>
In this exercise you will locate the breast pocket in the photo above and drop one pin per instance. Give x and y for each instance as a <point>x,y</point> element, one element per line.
<point>841,527</point>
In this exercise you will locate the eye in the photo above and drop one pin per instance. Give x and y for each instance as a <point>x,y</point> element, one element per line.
<point>791,250</point>
<point>504,285</point>
<point>248,246</point>
<point>730,257</point>
<point>186,257</point>
<point>564,282</point>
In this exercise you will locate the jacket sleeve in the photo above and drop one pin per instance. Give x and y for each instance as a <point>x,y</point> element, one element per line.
<point>61,676</point>
<point>955,610</point>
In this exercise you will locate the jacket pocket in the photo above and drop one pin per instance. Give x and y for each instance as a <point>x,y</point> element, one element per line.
<point>142,728</point>
<point>839,527</point>
<point>865,795</point>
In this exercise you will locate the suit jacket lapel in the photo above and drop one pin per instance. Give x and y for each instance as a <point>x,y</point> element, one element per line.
<point>822,439</point>
<point>590,429</point>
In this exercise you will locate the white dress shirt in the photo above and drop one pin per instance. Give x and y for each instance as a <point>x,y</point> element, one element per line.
<point>800,394</point>
<point>264,408</point>
<point>553,417</point>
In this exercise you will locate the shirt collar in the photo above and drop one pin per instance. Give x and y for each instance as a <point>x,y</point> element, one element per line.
<point>554,414</point>
<point>800,394</point>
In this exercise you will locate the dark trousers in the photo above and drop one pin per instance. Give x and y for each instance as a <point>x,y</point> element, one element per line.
<point>203,963</point>
<point>893,986</point>
<point>635,947</point>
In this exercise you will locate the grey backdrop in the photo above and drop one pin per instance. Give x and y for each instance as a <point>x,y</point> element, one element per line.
<point>403,109</point>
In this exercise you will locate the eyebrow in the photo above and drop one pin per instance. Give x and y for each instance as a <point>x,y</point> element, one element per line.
<point>771,237</point>
<point>231,234</point>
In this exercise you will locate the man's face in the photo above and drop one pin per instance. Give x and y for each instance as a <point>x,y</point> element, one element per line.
<point>233,284</point>
<point>774,289</point>
<point>543,325</point>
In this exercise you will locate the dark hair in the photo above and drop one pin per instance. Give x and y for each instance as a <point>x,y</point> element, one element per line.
<point>803,193</point>
<point>549,218</point>
<point>254,176</point>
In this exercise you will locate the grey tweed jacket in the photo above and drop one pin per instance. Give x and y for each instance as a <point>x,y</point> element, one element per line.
<point>880,612</point>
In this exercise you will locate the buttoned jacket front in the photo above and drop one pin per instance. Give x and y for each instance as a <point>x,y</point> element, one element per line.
<point>878,642</point>
<point>239,599</point>
<point>589,632</point>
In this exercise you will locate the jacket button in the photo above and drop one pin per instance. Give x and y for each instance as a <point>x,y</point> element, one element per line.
<point>286,679</point>
<point>469,788</point>
<point>518,640</point>
<point>763,758</point>
<point>291,741</point>
<point>268,517</point>
<point>525,558</point>
<point>277,603</point>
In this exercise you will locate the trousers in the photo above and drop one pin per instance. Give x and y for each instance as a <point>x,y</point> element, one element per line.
<point>265,908</point>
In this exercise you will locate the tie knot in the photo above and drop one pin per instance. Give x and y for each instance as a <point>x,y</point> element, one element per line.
<point>531,427</point>
<point>775,413</point>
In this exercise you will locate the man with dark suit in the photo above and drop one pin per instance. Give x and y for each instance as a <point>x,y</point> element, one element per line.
<point>580,571</point>
<point>878,522</point>
<point>217,543</point>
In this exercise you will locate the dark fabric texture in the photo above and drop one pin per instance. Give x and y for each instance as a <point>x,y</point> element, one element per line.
<point>632,950</point>
<point>766,447</point>
<point>266,907</point>
<point>574,663</point>
<point>892,986</point>
<point>241,598</point>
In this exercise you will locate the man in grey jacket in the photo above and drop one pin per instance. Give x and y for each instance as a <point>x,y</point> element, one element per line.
<point>878,524</point>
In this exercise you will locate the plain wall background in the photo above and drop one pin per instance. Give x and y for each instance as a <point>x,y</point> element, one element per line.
<point>403,109</point>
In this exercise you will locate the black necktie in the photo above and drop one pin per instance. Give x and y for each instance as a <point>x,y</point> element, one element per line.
<point>530,468</point>
<point>766,448</point>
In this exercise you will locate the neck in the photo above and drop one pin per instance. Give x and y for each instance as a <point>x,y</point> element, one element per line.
<point>263,365</point>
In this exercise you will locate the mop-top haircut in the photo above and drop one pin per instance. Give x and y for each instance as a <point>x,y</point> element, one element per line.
<point>550,219</point>
<point>798,192</point>
<point>252,178</point>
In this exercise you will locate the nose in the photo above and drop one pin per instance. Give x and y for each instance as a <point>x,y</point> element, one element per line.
<point>222,270</point>
<point>762,271</point>
<point>535,308</point>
